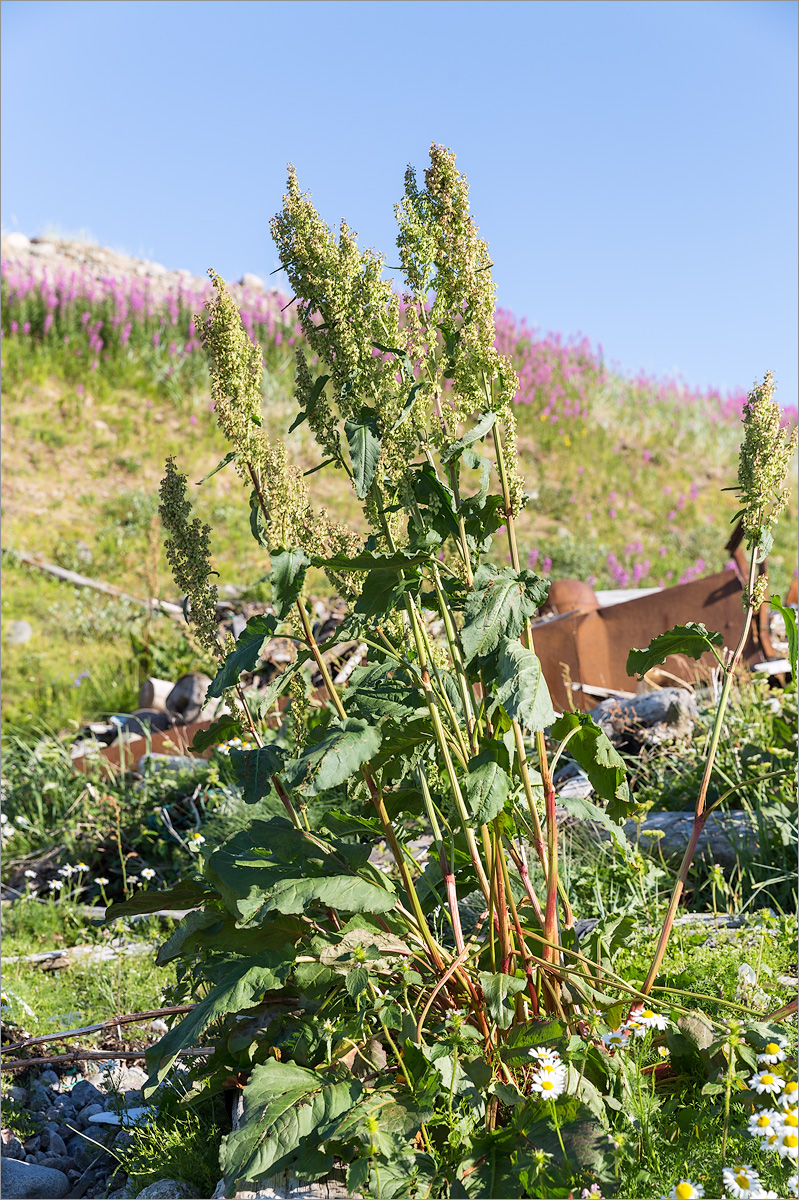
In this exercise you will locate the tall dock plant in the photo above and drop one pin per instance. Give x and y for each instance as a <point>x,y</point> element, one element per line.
<point>409,400</point>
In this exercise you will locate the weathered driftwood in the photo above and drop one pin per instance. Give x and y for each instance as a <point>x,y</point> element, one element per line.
<point>724,835</point>
<point>153,693</point>
<point>174,610</point>
<point>649,718</point>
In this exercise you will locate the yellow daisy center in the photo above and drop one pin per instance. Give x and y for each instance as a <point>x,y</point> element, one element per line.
<point>790,1140</point>
<point>764,1120</point>
<point>792,1087</point>
<point>742,1180</point>
<point>766,1079</point>
<point>647,1013</point>
<point>547,1084</point>
<point>684,1191</point>
<point>792,1120</point>
<point>772,1048</point>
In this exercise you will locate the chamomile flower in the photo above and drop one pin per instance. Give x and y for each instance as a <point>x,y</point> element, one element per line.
<point>743,1183</point>
<point>789,1119</point>
<point>30,874</point>
<point>82,867</point>
<point>774,1052</point>
<point>133,879</point>
<point>792,1184</point>
<point>148,873</point>
<point>686,1189</point>
<point>616,1037</point>
<point>195,840</point>
<point>650,1019</point>
<point>787,1144</point>
<point>56,885</point>
<point>549,1085</point>
<point>66,871</point>
<point>101,881</point>
<point>544,1055</point>
<point>765,1082</point>
<point>790,1093</point>
<point>764,1123</point>
<point>663,1051</point>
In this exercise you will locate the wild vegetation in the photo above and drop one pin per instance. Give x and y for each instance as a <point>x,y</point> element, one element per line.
<point>440,1025</point>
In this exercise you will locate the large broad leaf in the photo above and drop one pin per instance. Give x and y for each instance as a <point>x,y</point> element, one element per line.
<point>498,989</point>
<point>253,770</point>
<point>245,653</point>
<point>344,748</point>
<point>368,560</point>
<point>691,639</point>
<point>497,606</point>
<point>364,444</point>
<point>592,749</point>
<point>383,690</point>
<point>274,867</point>
<point>523,692</point>
<point>484,424</point>
<point>789,617</point>
<point>382,592</point>
<point>288,577</point>
<point>223,730</point>
<point>243,985</point>
<point>284,1108</point>
<point>488,1171</point>
<point>439,498</point>
<point>189,893</point>
<point>584,810</point>
<point>487,785</point>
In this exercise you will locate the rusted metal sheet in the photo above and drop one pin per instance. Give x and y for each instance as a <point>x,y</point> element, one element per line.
<point>125,752</point>
<point>590,644</point>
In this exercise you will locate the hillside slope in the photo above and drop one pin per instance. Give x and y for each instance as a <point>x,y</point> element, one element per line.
<point>104,377</point>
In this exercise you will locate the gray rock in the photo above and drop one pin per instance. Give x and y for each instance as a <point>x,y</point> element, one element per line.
<point>84,1148</point>
<point>249,280</point>
<point>123,1139</point>
<point>18,633</point>
<point>11,1146</point>
<point>24,1181</point>
<point>187,697</point>
<point>49,1079</point>
<point>648,719</point>
<point>166,1189</point>
<point>85,1114</point>
<point>40,1100</point>
<point>64,1109</point>
<point>53,1142</point>
<point>84,1093</point>
<point>56,1162</point>
<point>32,1144</point>
<point>16,241</point>
<point>723,833</point>
<point>18,1094</point>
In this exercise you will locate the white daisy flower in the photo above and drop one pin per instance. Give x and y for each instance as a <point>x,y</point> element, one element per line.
<point>743,1183</point>
<point>764,1081</point>
<point>133,879</point>
<point>543,1054</point>
<point>549,1085</point>
<point>773,1052</point>
<point>101,881</point>
<point>81,866</point>
<point>787,1144</point>
<point>790,1093</point>
<point>792,1184</point>
<point>30,874</point>
<point>651,1020</point>
<point>764,1123</point>
<point>789,1119</point>
<point>686,1189</point>
<point>197,839</point>
<point>616,1037</point>
<point>148,873</point>
<point>56,885</point>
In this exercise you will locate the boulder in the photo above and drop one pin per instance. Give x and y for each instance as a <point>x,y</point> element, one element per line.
<point>647,719</point>
<point>49,1079</point>
<point>40,1099</point>
<point>16,241</point>
<point>153,693</point>
<point>186,700</point>
<point>723,832</point>
<point>29,1181</point>
<point>84,1093</point>
<point>166,1189</point>
<point>11,1146</point>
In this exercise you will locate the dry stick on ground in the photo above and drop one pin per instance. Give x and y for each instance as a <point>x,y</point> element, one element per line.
<point>174,610</point>
<point>21,1064</point>
<point>124,1019</point>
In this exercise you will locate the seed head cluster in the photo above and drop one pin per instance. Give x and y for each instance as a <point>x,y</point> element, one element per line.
<point>188,552</point>
<point>765,457</point>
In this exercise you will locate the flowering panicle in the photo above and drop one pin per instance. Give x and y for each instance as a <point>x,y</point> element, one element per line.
<point>188,553</point>
<point>314,402</point>
<point>765,457</point>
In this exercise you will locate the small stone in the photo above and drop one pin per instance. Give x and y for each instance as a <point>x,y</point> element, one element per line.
<point>26,1181</point>
<point>49,1079</point>
<point>86,1114</point>
<point>11,1146</point>
<point>53,1142</point>
<point>16,241</point>
<point>18,633</point>
<point>166,1189</point>
<point>57,1162</point>
<point>18,1094</point>
<point>249,280</point>
<point>32,1144</point>
<point>84,1093</point>
<point>40,1100</point>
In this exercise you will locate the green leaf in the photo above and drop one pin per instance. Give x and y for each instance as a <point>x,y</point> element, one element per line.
<point>602,763</point>
<point>584,810</point>
<point>364,444</point>
<point>253,770</point>
<point>344,748</point>
<point>284,1107</point>
<point>189,893</point>
<point>789,617</point>
<point>439,498</point>
<point>484,423</point>
<point>497,989</point>
<point>523,692</point>
<point>288,577</point>
<point>407,407</point>
<point>402,355</point>
<point>382,591</point>
<point>497,606</point>
<point>245,653</point>
<point>691,639</point>
<point>383,690</point>
<point>223,730</point>
<point>257,520</point>
<point>242,986</point>
<point>196,921</point>
<point>229,458</point>
<point>400,561</point>
<point>356,981</point>
<point>487,785</point>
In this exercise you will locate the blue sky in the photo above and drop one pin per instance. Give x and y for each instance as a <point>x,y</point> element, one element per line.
<point>633,164</point>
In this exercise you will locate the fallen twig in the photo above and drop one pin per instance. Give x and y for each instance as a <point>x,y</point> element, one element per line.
<point>125,1019</point>
<point>80,1055</point>
<point>174,610</point>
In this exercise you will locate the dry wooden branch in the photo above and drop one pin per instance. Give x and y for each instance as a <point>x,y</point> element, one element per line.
<point>124,1019</point>
<point>174,610</point>
<point>85,1055</point>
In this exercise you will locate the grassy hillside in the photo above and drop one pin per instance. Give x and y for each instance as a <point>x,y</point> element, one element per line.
<point>104,377</point>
